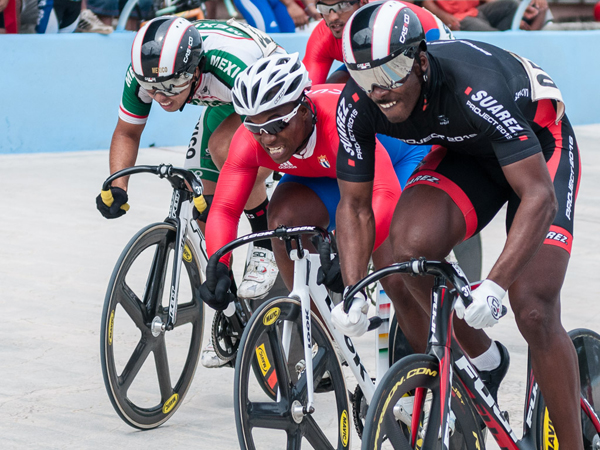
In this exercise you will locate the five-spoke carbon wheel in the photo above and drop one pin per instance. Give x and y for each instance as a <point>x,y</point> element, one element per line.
<point>281,421</point>
<point>411,388</point>
<point>148,374</point>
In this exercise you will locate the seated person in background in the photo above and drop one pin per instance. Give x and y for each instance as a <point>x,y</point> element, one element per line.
<point>486,15</point>
<point>293,130</point>
<point>324,45</point>
<point>273,16</point>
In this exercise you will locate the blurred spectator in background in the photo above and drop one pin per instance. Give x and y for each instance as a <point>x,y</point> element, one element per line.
<point>108,11</point>
<point>9,16</point>
<point>487,15</point>
<point>67,16</point>
<point>276,16</point>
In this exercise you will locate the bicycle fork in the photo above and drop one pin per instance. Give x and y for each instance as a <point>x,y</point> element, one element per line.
<point>179,213</point>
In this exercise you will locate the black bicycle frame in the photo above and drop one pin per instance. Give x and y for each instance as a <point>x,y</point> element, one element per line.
<point>443,345</point>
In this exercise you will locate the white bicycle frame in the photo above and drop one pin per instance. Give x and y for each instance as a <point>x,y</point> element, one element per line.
<point>305,287</point>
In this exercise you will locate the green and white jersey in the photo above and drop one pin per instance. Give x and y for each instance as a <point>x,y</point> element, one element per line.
<point>228,50</point>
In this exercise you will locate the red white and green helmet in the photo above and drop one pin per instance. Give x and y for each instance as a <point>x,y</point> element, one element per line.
<point>166,52</point>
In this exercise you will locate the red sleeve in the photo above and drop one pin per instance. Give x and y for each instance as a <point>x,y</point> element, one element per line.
<point>320,53</point>
<point>233,189</point>
<point>386,193</point>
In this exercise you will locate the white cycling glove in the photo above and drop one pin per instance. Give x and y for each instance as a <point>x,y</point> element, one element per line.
<point>486,308</point>
<point>355,323</point>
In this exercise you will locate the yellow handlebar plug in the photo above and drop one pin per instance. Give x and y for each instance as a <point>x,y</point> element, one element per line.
<point>199,203</point>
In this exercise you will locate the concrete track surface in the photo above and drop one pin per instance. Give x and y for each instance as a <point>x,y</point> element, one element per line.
<point>57,254</point>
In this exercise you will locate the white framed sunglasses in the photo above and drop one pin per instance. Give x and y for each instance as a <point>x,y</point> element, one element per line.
<point>169,88</point>
<point>338,8</point>
<point>272,126</point>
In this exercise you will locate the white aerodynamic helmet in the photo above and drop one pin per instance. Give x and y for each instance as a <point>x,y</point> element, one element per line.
<point>269,83</point>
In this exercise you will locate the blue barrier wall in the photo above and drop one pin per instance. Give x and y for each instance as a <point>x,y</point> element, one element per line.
<point>62,92</point>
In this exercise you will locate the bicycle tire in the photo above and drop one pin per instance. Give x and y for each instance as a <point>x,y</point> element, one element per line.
<point>142,398</point>
<point>266,422</point>
<point>587,346</point>
<point>383,430</point>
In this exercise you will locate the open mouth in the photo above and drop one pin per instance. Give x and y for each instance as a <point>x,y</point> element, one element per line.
<point>275,150</point>
<point>386,105</point>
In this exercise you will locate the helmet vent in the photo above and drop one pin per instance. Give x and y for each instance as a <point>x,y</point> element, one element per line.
<point>262,67</point>
<point>271,93</point>
<point>294,85</point>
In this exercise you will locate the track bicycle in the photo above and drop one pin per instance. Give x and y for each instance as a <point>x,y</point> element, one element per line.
<point>300,354</point>
<point>152,325</point>
<point>410,408</point>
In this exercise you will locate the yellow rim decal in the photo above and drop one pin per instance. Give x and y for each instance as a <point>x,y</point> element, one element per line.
<point>550,441</point>
<point>344,430</point>
<point>111,323</point>
<point>187,254</point>
<point>271,316</point>
<point>170,404</point>
<point>263,361</point>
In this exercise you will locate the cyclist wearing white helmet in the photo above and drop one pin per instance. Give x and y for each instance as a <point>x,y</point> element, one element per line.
<point>293,130</point>
<point>175,62</point>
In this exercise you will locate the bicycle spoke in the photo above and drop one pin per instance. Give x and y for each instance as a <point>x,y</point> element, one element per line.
<point>267,415</point>
<point>433,426</point>
<point>187,313</point>
<point>314,434</point>
<point>394,433</point>
<point>162,369</point>
<point>156,277</point>
<point>319,367</point>
<point>279,363</point>
<point>135,363</point>
<point>294,441</point>
<point>132,306</point>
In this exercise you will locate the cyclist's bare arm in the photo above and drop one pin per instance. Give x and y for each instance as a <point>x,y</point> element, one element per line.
<point>531,181</point>
<point>355,229</point>
<point>124,149</point>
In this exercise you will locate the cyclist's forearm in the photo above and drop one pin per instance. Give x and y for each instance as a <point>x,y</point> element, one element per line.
<point>527,233</point>
<point>123,153</point>
<point>355,239</point>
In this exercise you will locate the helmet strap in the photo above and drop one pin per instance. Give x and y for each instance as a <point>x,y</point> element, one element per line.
<point>308,104</point>
<point>194,83</point>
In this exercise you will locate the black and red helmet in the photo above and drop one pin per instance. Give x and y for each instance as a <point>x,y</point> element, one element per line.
<point>380,43</point>
<point>166,48</point>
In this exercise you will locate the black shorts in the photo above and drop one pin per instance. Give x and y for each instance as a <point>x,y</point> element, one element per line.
<point>479,188</point>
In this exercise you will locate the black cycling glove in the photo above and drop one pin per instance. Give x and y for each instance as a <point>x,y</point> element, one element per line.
<point>221,297</point>
<point>329,273</point>
<point>116,208</point>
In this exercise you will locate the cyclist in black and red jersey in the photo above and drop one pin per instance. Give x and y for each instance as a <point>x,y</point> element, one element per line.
<point>292,129</point>
<point>500,136</point>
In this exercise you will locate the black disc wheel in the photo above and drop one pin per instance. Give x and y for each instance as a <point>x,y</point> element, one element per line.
<point>147,374</point>
<point>411,388</point>
<point>587,346</point>
<point>281,420</point>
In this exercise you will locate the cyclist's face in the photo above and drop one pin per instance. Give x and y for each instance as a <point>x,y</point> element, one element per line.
<point>336,20</point>
<point>281,146</point>
<point>398,104</point>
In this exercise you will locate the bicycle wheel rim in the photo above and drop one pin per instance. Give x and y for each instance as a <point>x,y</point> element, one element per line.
<point>384,430</point>
<point>120,376</point>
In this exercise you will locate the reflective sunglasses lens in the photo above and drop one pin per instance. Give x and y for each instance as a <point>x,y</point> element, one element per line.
<point>340,7</point>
